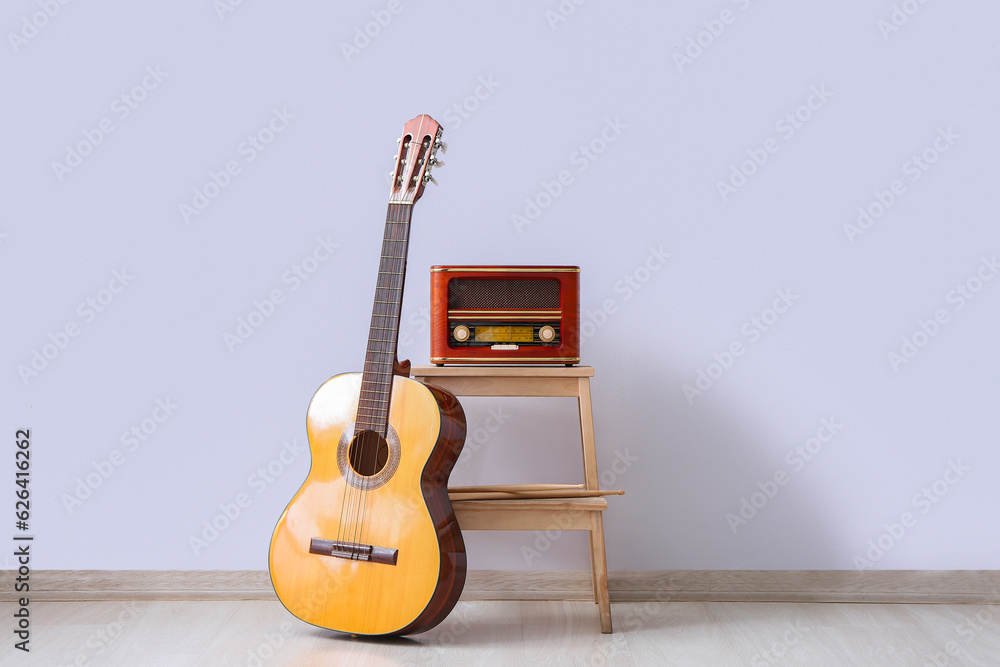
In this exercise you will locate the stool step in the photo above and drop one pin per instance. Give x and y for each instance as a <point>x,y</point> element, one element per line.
<point>532,514</point>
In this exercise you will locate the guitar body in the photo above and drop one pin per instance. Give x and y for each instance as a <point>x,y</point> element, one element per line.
<point>370,545</point>
<point>404,507</point>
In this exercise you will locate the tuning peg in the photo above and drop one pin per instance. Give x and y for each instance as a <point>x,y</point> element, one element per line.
<point>441,145</point>
<point>429,179</point>
<point>436,162</point>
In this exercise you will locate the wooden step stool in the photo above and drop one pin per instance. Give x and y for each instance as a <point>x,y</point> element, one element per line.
<point>534,506</point>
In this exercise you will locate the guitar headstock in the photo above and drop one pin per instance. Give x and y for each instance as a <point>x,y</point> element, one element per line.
<point>416,156</point>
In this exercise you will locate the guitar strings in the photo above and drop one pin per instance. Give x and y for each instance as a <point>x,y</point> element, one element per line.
<point>369,455</point>
<point>395,249</point>
<point>366,419</point>
<point>386,311</point>
<point>374,401</point>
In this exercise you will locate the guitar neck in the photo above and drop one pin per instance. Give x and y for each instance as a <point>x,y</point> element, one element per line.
<point>376,382</point>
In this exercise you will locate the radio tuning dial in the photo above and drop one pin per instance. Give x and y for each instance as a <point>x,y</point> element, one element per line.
<point>547,334</point>
<point>461,333</point>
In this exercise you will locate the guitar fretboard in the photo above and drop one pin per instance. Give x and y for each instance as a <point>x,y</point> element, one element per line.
<point>376,381</point>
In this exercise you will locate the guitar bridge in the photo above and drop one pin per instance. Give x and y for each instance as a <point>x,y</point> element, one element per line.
<point>353,551</point>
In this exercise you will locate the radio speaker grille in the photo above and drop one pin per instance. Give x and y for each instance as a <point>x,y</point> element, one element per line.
<point>476,293</point>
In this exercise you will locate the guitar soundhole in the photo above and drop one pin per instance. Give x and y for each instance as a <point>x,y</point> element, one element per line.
<point>366,460</point>
<point>369,452</point>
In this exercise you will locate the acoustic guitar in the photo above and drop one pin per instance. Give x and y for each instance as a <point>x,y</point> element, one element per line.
<point>369,544</point>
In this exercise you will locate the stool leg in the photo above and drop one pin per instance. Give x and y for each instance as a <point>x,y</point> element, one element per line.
<point>598,558</point>
<point>593,563</point>
<point>588,446</point>
<point>601,570</point>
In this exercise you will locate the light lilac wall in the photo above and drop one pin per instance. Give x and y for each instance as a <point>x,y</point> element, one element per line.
<point>715,155</point>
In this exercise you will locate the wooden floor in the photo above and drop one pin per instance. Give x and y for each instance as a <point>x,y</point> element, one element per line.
<point>263,634</point>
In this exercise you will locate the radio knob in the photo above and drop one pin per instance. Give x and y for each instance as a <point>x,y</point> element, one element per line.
<point>461,333</point>
<point>547,334</point>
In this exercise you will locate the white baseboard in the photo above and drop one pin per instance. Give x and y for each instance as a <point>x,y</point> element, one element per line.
<point>878,586</point>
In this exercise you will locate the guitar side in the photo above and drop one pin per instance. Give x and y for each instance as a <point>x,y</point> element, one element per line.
<point>410,513</point>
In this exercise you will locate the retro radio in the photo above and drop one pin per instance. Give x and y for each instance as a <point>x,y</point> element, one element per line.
<point>505,315</point>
